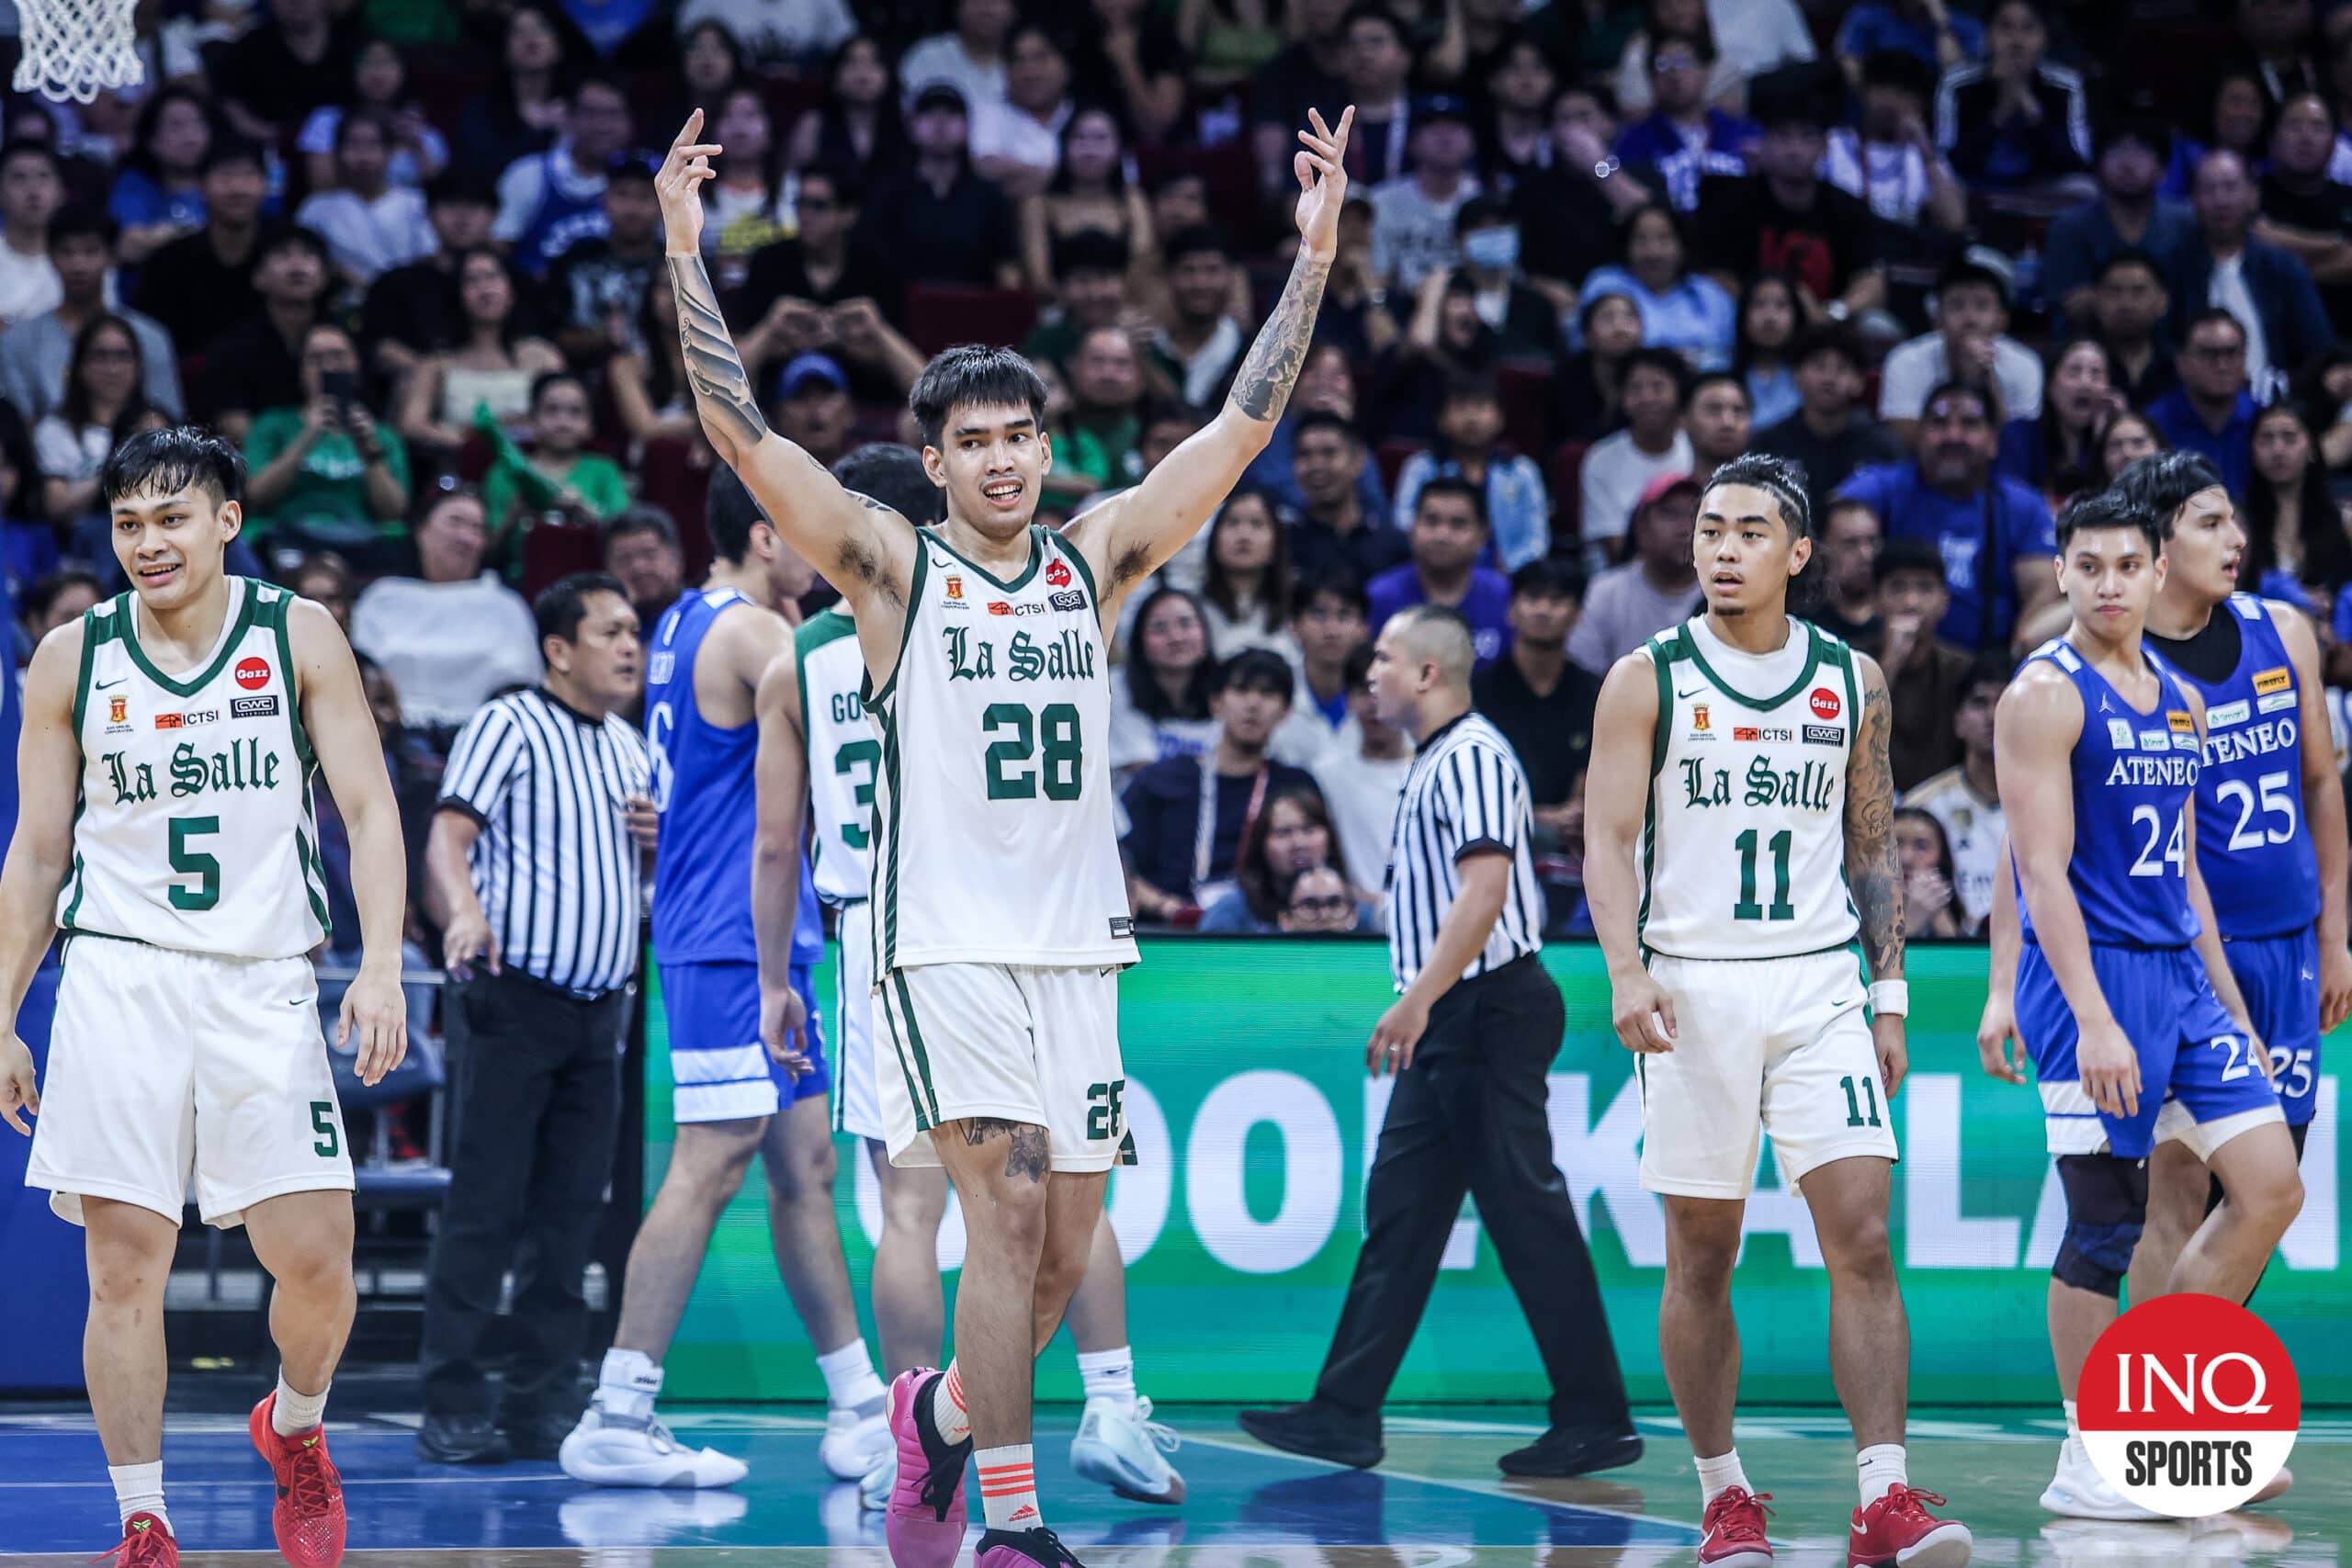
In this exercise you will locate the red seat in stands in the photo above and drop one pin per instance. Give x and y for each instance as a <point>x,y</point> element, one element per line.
<point>670,476</point>
<point>1391,459</point>
<point>1567,492</point>
<point>941,315</point>
<point>554,550</point>
<point>1525,390</point>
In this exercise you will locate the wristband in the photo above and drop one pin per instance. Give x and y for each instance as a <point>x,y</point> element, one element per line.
<point>1892,997</point>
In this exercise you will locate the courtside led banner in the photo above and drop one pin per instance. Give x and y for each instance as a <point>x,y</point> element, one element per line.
<point>1247,1098</point>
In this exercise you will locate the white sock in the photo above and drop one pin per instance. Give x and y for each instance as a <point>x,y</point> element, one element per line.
<point>2073,1427</point>
<point>296,1411</point>
<point>1720,1475</point>
<point>139,1489</point>
<point>947,1412</point>
<point>1109,1374</point>
<point>850,1382</point>
<point>1009,1487</point>
<point>627,1384</point>
<point>1881,1465</point>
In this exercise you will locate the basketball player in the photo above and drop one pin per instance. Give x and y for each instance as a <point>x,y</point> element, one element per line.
<point>744,1045</point>
<point>1003,918</point>
<point>1743,755</point>
<point>171,735</point>
<point>1117,1443</point>
<point>2138,1030</point>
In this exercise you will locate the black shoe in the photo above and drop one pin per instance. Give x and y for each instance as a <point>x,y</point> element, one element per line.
<point>1038,1545</point>
<point>461,1440</point>
<point>1318,1430</point>
<point>1574,1450</point>
<point>537,1436</point>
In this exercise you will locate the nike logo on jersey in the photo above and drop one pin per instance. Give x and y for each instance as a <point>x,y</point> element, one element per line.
<point>1692,692</point>
<point>118,681</point>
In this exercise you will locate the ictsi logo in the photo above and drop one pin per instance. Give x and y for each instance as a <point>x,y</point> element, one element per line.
<point>2189,1406</point>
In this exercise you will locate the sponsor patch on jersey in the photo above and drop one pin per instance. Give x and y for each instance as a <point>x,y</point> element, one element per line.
<point>2179,722</point>
<point>1824,704</point>
<point>2118,734</point>
<point>1824,735</point>
<point>117,709</point>
<point>2274,702</point>
<point>191,718</point>
<point>954,586</point>
<point>1699,716</point>
<point>264,707</point>
<point>167,721</point>
<point>656,669</point>
<point>1072,600</point>
<point>2184,744</point>
<point>1122,926</point>
<point>1058,574</point>
<point>2155,740</point>
<point>1745,732</point>
<point>2275,679</point>
<point>2228,713</point>
<point>253,674</point>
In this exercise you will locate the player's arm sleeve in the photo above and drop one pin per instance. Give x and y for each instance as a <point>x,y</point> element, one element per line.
<point>1485,803</point>
<point>483,763</point>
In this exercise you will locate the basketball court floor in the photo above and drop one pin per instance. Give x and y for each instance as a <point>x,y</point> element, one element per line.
<point>1436,1502</point>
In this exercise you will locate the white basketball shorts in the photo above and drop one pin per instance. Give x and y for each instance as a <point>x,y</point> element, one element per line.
<point>857,1105</point>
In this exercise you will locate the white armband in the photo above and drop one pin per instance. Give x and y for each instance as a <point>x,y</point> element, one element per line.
<point>1892,997</point>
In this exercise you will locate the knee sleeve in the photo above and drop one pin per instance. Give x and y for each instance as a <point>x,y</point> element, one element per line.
<point>2107,1207</point>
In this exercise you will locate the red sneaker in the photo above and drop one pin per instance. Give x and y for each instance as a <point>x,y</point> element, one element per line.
<point>1897,1529</point>
<point>1733,1530</point>
<point>146,1544</point>
<point>308,1518</point>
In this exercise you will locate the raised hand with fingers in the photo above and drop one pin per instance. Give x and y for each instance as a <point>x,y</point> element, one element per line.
<point>1321,166</point>
<point>678,185</point>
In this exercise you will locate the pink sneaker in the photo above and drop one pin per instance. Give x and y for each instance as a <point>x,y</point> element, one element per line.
<point>1036,1548</point>
<point>924,1522</point>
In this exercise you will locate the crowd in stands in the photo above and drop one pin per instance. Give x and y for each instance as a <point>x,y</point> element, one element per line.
<point>1961,260</point>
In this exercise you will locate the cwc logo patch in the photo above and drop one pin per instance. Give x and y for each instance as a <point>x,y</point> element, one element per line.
<point>254,707</point>
<point>1824,735</point>
<point>253,674</point>
<point>1072,600</point>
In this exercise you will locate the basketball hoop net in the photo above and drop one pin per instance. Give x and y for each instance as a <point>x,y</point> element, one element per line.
<point>76,49</point>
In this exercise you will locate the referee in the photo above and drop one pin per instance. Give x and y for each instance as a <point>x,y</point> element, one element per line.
<point>533,868</point>
<point>1476,1024</point>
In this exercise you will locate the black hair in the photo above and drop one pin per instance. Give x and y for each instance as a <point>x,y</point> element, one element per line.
<point>2061,473</point>
<point>353,119</point>
<point>1344,586</point>
<point>847,180</point>
<point>1699,43</point>
<point>1257,670</point>
<point>1479,212</point>
<point>44,593</point>
<point>510,328</point>
<point>1663,360</point>
<point>2326,552</point>
<point>236,149</point>
<point>1703,379</point>
<point>1199,239</point>
<point>75,407</point>
<point>1651,208</point>
<point>1545,578</point>
<point>1324,418</point>
<point>82,222</point>
<point>588,79</point>
<point>1992,668</point>
<point>628,168</point>
<point>894,475</point>
<point>150,115</point>
<point>1265,891</point>
<point>1899,68</point>
<point>1273,590</point>
<point>1908,552</point>
<point>1355,670</point>
<point>1144,691</point>
<point>1590,307</point>
<point>2162,482</point>
<point>177,457</point>
<point>643,517</point>
<point>1381,14</point>
<point>2115,507</point>
<point>974,373</point>
<point>2132,256</point>
<point>546,379</point>
<point>1744,349</point>
<point>2207,318</point>
<point>1987,397</point>
<point>1470,385</point>
<point>1829,337</point>
<point>1453,485</point>
<point>19,145</point>
<point>891,147</point>
<point>1944,863</point>
<point>291,239</point>
<point>1784,478</point>
<point>1091,250</point>
<point>1061,184</point>
<point>730,514</point>
<point>563,603</point>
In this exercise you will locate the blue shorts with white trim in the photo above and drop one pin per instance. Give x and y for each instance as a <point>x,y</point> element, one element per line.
<point>2279,978</point>
<point>720,1070</point>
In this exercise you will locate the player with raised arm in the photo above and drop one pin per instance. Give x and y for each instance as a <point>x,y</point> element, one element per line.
<point>1117,1443</point>
<point>1003,918</point>
<point>171,736</point>
<point>1741,872</point>
<point>2122,993</point>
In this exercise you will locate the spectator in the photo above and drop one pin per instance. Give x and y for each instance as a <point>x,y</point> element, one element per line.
<point>1680,20</point>
<point>379,81</point>
<point>158,197</point>
<point>1088,209</point>
<point>1161,709</point>
<point>369,224</point>
<point>2211,411</point>
<point>2015,121</point>
<point>597,285</point>
<point>454,635</point>
<point>1618,470</point>
<point>1097,443</point>
<point>1542,702</point>
<point>1311,73</point>
<point>35,352</point>
<point>414,310</point>
<point>1199,345</point>
<point>298,59</point>
<point>1357,317</point>
<point>938,221</point>
<point>971,60</point>
<point>2128,310</point>
<point>859,125</point>
<point>1829,435</point>
<point>2296,548</point>
<point>1926,28</point>
<point>2267,289</point>
<point>492,365</point>
<point>1569,212</point>
<point>813,408</point>
<point>1526,323</point>
<point>198,287</point>
<point>102,407</point>
<point>772,35</point>
<point>711,64</point>
<point>1586,405</point>
<point>1448,341</point>
<point>1930,907</point>
<point>558,473</point>
<point>2126,216</point>
<point>30,194</point>
<point>56,600</point>
<point>1413,214</point>
<point>1338,532</point>
<point>2305,211</point>
<point>324,578</point>
<point>1783,218</point>
<point>1330,619</point>
<point>1320,901</point>
<point>2053,453</point>
<point>1511,487</point>
<point>1995,534</point>
<point>1752,37</point>
<point>258,365</point>
<point>1174,868</point>
<point>1889,161</point>
<point>1628,604</point>
<point>1716,418</point>
<point>747,205</point>
<point>1247,593</point>
<point>549,201</point>
<point>523,113</point>
<point>1360,773</point>
<point>1290,836</point>
<point>792,284</point>
<point>1515,143</point>
<point>1769,315</point>
<point>1128,53</point>
<point>1377,65</point>
<point>1924,673</point>
<point>641,551</point>
<point>27,543</point>
<point>1965,798</point>
<point>1326,385</point>
<point>1969,345</point>
<point>1682,119</point>
<point>1681,310</point>
<point>2120,440</point>
<point>2275,44</point>
<point>1849,557</point>
<point>1017,141</point>
<point>1449,534</point>
<point>325,473</point>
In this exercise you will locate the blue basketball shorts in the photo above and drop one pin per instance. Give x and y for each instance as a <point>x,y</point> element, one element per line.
<point>2280,976</point>
<point>719,1069</point>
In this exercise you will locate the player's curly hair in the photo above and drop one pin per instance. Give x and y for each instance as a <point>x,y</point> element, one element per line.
<point>1784,478</point>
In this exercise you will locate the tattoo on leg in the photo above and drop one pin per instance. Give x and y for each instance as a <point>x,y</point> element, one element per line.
<point>1028,1151</point>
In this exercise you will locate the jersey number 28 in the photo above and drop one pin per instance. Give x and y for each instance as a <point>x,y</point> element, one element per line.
<point>1013,773</point>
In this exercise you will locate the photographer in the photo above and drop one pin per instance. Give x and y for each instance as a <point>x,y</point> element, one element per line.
<point>326,474</point>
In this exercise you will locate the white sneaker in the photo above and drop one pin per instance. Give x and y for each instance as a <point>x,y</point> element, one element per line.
<point>852,1443</point>
<point>616,1451</point>
<point>2079,1492</point>
<point>874,1488</point>
<point>640,1519</point>
<point>1126,1450</point>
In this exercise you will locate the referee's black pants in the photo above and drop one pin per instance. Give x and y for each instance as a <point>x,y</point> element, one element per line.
<point>1468,1116</point>
<point>539,1104</point>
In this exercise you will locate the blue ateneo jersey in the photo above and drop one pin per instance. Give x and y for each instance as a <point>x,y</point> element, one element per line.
<point>703,787</point>
<point>2134,775</point>
<point>2253,843</point>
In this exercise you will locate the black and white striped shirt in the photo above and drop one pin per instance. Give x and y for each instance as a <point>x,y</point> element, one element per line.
<point>1466,792</point>
<point>555,869</point>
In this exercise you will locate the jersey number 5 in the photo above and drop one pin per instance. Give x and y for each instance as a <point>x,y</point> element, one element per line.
<point>187,863</point>
<point>1012,774</point>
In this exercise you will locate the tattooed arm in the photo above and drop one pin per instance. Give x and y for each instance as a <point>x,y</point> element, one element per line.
<point>1874,876</point>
